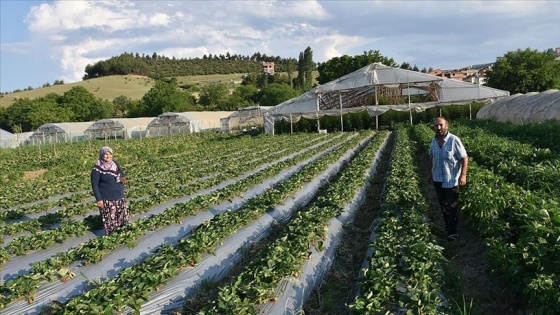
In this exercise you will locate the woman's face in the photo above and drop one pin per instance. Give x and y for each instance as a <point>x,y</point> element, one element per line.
<point>108,156</point>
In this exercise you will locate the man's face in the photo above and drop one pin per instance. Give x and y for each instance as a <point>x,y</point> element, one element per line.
<point>440,126</point>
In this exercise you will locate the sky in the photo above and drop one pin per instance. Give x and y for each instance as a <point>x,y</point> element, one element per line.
<point>44,41</point>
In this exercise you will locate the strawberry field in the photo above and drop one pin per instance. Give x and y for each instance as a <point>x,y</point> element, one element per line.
<point>200,202</point>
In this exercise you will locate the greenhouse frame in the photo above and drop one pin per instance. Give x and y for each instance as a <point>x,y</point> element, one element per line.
<point>361,90</point>
<point>185,122</point>
<point>59,132</point>
<point>121,128</point>
<point>244,119</point>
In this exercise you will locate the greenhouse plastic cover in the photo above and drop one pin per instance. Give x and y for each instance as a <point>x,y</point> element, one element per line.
<point>341,95</point>
<point>524,108</point>
<point>123,257</point>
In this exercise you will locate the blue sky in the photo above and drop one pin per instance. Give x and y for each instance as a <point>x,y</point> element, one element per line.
<point>44,41</point>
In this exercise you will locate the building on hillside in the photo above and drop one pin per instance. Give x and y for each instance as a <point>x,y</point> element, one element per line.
<point>436,72</point>
<point>472,74</point>
<point>268,67</point>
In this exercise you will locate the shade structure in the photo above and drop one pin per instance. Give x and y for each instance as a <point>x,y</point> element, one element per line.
<point>245,118</point>
<point>185,122</point>
<point>355,92</point>
<point>123,128</point>
<point>524,108</point>
<point>60,132</point>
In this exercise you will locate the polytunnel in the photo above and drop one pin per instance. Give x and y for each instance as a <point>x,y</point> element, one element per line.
<point>524,108</point>
<point>59,132</point>
<point>244,118</point>
<point>122,128</point>
<point>7,139</point>
<point>185,122</point>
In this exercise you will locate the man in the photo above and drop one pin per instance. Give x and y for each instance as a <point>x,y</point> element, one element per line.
<point>447,171</point>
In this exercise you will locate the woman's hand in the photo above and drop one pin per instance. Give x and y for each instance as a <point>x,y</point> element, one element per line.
<point>100,203</point>
<point>123,180</point>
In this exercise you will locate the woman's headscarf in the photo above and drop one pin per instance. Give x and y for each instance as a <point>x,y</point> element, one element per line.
<point>102,164</point>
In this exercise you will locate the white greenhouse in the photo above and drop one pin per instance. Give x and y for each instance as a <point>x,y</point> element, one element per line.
<point>122,128</point>
<point>185,122</point>
<point>244,119</point>
<point>59,132</point>
<point>524,108</point>
<point>360,91</point>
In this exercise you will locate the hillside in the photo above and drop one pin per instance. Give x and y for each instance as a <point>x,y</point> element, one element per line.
<point>110,87</point>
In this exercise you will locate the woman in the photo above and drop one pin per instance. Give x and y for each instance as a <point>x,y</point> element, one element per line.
<point>107,182</point>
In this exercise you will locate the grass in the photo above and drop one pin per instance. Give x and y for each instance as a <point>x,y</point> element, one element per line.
<point>110,87</point>
<point>131,86</point>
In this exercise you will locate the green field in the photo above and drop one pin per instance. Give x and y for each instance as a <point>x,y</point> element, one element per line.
<point>110,87</point>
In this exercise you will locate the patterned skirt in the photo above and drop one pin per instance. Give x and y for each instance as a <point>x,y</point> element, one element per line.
<point>114,214</point>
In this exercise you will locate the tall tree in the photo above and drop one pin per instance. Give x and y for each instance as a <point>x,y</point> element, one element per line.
<point>308,69</point>
<point>524,71</point>
<point>299,82</point>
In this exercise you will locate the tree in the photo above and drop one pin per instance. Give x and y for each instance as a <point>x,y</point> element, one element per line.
<point>213,96</point>
<point>243,96</point>
<point>275,93</point>
<point>304,80</point>
<point>165,97</point>
<point>81,102</point>
<point>524,71</point>
<point>46,111</point>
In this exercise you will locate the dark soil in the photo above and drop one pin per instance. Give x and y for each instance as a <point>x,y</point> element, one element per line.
<point>471,286</point>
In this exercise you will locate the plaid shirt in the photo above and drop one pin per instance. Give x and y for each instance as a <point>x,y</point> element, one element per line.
<point>447,160</point>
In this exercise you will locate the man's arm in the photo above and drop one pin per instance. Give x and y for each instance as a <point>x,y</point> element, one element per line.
<point>464,167</point>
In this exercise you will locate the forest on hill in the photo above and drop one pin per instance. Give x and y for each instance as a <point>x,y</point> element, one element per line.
<point>158,66</point>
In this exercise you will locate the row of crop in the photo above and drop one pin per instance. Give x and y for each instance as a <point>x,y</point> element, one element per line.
<point>94,250</point>
<point>541,134</point>
<point>172,183</point>
<point>260,281</point>
<point>521,163</point>
<point>521,229</point>
<point>405,270</point>
<point>133,285</point>
<point>132,155</point>
<point>162,192</point>
<point>55,157</point>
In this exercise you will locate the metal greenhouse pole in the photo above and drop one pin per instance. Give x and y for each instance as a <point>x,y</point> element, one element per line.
<point>376,109</point>
<point>341,121</point>
<point>291,125</point>
<point>409,107</point>
<point>317,112</point>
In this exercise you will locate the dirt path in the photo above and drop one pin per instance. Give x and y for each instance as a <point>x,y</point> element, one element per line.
<point>470,274</point>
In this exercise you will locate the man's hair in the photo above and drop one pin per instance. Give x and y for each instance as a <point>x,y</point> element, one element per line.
<point>442,117</point>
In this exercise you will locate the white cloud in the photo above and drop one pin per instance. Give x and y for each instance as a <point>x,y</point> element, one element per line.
<point>426,33</point>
